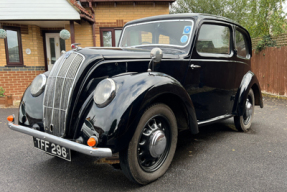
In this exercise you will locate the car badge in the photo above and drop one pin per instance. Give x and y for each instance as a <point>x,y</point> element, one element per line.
<point>68,54</point>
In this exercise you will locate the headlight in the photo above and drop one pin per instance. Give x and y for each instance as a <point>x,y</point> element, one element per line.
<point>38,85</point>
<point>105,92</point>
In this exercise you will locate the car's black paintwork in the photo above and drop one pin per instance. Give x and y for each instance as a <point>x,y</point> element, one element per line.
<point>134,94</point>
<point>214,91</point>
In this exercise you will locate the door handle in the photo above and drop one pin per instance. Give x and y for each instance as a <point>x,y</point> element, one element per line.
<point>195,66</point>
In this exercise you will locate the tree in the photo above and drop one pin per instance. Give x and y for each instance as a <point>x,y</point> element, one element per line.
<point>267,18</point>
<point>260,17</point>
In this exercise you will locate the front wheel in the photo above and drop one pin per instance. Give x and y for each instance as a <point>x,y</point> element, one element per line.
<point>152,147</point>
<point>243,123</point>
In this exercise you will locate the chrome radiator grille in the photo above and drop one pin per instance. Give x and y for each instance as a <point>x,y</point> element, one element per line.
<point>57,93</point>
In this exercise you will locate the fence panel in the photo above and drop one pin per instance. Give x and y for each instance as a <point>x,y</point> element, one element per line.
<point>270,67</point>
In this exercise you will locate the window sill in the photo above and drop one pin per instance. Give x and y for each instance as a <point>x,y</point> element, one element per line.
<point>15,66</point>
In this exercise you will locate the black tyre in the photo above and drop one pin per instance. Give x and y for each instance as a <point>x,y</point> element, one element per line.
<point>243,123</point>
<point>152,147</point>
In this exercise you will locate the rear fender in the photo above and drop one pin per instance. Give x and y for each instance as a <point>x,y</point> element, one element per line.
<point>116,123</point>
<point>249,81</point>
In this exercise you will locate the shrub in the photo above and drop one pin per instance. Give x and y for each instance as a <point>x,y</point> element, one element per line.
<point>266,41</point>
<point>2,91</point>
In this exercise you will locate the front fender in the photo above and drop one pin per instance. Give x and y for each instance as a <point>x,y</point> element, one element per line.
<point>116,123</point>
<point>249,81</point>
<point>31,109</point>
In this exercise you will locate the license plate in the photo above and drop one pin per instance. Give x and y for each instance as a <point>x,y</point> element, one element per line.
<point>52,148</point>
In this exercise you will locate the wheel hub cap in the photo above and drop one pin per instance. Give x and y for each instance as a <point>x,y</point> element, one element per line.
<point>248,108</point>
<point>157,143</point>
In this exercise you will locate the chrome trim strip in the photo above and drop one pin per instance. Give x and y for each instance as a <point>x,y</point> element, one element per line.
<point>62,77</point>
<point>72,87</point>
<point>44,99</point>
<point>54,108</point>
<point>97,152</point>
<point>165,56</point>
<point>55,84</point>
<point>218,60</point>
<point>221,117</point>
<point>64,80</point>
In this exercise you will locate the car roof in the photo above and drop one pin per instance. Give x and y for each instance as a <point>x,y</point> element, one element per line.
<point>197,16</point>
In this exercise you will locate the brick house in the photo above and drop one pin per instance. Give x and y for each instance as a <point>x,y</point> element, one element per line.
<point>33,42</point>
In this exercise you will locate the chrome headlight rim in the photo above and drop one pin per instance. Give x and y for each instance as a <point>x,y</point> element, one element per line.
<point>112,93</point>
<point>41,88</point>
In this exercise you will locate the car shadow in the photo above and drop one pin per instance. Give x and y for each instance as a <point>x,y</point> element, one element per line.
<point>90,175</point>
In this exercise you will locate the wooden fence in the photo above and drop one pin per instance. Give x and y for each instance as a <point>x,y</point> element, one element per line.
<point>270,67</point>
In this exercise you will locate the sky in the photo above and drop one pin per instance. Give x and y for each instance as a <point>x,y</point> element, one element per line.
<point>285,7</point>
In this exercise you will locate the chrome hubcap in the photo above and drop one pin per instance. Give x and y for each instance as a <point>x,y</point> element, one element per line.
<point>248,111</point>
<point>154,143</point>
<point>249,108</point>
<point>157,143</point>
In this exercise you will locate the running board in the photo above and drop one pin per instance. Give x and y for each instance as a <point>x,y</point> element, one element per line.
<point>213,120</point>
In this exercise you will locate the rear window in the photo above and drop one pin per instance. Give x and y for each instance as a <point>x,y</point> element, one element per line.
<point>241,44</point>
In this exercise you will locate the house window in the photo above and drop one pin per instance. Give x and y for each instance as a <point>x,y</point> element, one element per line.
<point>110,37</point>
<point>13,46</point>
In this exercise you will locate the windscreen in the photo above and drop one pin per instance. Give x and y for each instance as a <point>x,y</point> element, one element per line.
<point>166,32</point>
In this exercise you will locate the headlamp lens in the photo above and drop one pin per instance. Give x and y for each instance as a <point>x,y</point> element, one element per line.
<point>105,92</point>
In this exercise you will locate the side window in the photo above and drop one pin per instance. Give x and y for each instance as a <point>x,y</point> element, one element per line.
<point>213,39</point>
<point>241,44</point>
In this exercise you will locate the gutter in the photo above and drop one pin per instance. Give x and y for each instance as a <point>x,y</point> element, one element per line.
<point>94,23</point>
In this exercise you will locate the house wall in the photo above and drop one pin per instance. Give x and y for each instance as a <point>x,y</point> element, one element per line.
<point>83,34</point>
<point>16,79</point>
<point>107,15</point>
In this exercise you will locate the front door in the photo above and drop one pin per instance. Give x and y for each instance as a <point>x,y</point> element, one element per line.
<point>54,46</point>
<point>211,73</point>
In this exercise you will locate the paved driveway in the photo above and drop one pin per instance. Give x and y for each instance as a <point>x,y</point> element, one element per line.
<point>217,159</point>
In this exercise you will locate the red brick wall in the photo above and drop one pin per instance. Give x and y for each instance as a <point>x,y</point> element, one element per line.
<point>16,82</point>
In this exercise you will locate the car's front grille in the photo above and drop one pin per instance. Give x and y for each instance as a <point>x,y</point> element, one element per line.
<point>58,92</point>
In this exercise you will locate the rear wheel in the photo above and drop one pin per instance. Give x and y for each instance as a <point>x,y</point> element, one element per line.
<point>243,123</point>
<point>152,147</point>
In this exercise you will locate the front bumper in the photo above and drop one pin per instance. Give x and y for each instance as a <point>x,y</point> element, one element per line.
<point>97,152</point>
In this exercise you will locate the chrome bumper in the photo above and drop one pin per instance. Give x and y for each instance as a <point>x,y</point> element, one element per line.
<point>97,152</point>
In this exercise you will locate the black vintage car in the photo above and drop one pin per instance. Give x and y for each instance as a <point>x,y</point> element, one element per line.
<point>169,73</point>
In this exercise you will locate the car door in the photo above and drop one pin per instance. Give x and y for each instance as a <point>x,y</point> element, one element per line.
<point>211,73</point>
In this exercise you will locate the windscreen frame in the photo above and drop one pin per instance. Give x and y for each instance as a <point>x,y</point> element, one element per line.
<point>163,45</point>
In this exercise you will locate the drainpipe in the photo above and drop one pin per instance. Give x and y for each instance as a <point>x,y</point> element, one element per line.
<point>72,29</point>
<point>94,23</point>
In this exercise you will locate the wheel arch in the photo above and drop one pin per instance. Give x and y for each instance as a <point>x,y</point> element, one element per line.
<point>257,94</point>
<point>249,81</point>
<point>135,93</point>
<point>177,106</point>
